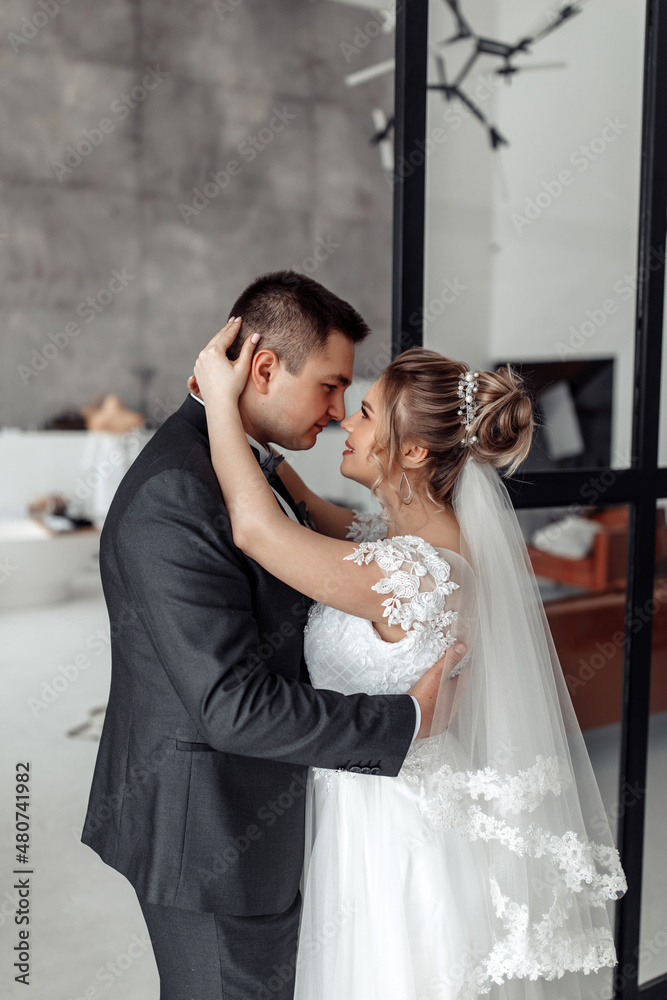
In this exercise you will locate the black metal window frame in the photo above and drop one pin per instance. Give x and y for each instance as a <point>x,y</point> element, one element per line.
<point>640,485</point>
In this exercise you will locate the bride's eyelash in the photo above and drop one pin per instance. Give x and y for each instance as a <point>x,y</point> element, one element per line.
<point>364,411</point>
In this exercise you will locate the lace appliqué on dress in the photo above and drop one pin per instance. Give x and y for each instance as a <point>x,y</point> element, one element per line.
<point>409,559</point>
<point>367,527</point>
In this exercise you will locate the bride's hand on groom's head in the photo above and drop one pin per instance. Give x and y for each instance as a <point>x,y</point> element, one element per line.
<point>215,372</point>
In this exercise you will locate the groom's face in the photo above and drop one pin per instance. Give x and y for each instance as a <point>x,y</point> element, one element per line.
<point>299,406</point>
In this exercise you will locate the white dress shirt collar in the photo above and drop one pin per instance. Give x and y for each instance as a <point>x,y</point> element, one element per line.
<point>263,451</point>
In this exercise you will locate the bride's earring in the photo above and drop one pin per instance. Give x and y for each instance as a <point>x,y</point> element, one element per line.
<point>407,499</point>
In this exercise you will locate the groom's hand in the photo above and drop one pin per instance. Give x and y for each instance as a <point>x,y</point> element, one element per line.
<point>427,687</point>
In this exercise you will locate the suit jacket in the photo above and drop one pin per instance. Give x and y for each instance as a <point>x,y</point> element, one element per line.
<point>199,785</point>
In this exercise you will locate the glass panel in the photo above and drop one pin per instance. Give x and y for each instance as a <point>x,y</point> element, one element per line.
<point>531,247</point>
<point>653,935</point>
<point>579,555</point>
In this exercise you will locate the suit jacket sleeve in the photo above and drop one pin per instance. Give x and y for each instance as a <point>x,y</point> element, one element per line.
<point>190,587</point>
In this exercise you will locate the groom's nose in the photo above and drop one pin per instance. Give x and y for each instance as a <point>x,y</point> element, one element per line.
<point>337,406</point>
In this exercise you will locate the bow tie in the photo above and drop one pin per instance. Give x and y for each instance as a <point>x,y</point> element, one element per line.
<point>270,461</point>
<point>267,464</point>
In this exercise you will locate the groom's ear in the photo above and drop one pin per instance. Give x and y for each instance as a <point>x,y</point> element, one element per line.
<point>263,369</point>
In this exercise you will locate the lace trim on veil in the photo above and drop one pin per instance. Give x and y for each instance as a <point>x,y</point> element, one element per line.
<point>542,948</point>
<point>525,949</point>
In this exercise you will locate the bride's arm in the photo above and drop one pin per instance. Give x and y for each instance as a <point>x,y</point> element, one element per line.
<point>330,518</point>
<point>305,560</point>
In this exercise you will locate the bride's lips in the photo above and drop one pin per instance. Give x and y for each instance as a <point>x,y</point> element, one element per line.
<point>349,450</point>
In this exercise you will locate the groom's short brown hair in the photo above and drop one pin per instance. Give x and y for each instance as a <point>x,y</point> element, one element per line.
<point>295,316</point>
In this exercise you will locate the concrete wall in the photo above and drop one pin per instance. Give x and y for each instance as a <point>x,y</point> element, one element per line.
<point>258,82</point>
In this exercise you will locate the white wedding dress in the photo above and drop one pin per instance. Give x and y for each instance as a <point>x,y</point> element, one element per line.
<point>396,907</point>
<point>381,885</point>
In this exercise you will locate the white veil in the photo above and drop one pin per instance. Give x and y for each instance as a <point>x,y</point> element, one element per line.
<point>510,773</point>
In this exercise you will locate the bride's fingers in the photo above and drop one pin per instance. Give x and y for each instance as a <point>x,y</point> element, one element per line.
<point>225,337</point>
<point>247,350</point>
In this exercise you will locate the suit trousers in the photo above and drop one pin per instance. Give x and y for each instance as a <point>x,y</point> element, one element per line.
<point>219,956</point>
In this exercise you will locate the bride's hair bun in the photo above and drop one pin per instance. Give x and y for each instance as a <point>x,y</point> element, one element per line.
<point>419,403</point>
<point>504,422</point>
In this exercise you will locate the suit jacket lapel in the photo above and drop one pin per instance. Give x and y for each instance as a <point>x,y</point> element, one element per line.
<point>195,414</point>
<point>277,484</point>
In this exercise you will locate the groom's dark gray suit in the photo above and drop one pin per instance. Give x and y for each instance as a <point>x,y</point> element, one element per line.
<point>197,796</point>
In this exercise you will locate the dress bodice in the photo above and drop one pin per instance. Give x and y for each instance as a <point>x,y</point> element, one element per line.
<point>345,653</point>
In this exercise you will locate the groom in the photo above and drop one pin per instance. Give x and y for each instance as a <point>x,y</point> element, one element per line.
<point>198,791</point>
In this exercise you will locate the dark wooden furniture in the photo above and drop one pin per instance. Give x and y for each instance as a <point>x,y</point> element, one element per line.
<point>588,629</point>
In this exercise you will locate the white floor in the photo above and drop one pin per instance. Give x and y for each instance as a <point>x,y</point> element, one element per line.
<point>88,939</point>
<point>84,916</point>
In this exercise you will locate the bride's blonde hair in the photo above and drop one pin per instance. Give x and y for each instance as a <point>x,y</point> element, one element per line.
<point>418,404</point>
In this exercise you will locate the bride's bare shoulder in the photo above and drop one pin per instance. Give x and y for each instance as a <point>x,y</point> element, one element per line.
<point>445,533</point>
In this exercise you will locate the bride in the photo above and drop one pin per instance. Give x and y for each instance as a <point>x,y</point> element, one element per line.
<point>487,866</point>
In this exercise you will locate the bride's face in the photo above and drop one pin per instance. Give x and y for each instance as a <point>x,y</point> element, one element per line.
<point>361,428</point>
